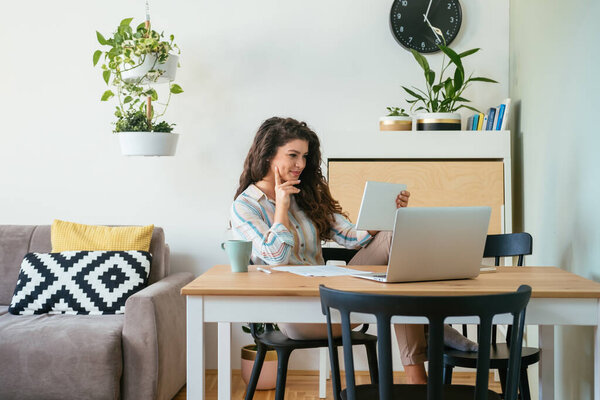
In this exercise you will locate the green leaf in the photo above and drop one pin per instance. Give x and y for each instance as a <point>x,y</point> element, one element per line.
<point>418,96</point>
<point>127,99</point>
<point>126,22</point>
<point>469,107</point>
<point>430,77</point>
<point>420,59</point>
<point>481,79</point>
<point>107,95</point>
<point>176,89</point>
<point>101,39</point>
<point>468,52</point>
<point>449,88</point>
<point>459,79</point>
<point>106,76</point>
<point>462,99</point>
<point>436,88</point>
<point>152,93</point>
<point>453,56</point>
<point>96,57</point>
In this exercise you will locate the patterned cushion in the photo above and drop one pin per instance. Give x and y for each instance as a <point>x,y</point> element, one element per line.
<point>79,282</point>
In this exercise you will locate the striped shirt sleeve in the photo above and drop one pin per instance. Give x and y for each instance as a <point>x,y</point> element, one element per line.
<point>272,244</point>
<point>344,233</point>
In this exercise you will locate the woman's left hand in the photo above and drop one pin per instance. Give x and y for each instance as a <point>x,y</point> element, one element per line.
<point>402,199</point>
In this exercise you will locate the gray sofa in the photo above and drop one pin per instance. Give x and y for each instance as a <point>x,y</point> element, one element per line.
<point>136,355</point>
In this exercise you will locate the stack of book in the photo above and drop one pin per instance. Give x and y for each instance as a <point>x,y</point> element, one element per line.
<point>495,119</point>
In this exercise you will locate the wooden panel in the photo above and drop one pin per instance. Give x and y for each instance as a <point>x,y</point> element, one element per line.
<point>431,183</point>
<point>545,282</point>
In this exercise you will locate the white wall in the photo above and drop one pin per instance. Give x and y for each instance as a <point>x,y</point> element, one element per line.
<point>332,63</point>
<point>554,80</point>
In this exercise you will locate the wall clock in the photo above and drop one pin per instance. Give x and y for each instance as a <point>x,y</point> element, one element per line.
<point>422,24</point>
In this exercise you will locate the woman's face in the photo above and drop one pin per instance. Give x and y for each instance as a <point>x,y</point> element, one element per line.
<point>290,159</point>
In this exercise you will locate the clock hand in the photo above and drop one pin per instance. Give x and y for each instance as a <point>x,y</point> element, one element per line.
<point>427,12</point>
<point>434,29</point>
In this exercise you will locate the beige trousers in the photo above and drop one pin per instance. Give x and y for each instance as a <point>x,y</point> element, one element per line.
<point>411,337</point>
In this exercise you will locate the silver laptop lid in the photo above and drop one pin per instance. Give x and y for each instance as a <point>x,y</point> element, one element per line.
<point>435,243</point>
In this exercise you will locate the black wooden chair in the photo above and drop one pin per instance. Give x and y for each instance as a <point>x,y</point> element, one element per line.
<point>435,309</point>
<point>270,338</point>
<point>505,245</point>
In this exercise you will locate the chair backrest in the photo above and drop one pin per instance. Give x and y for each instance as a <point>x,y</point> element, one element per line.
<point>338,254</point>
<point>435,309</point>
<point>508,245</point>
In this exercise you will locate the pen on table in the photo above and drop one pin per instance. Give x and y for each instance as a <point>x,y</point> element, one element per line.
<point>266,271</point>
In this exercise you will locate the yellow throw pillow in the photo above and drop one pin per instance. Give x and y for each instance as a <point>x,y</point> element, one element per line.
<point>69,236</point>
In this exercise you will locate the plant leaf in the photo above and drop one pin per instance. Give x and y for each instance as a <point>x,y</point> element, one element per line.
<point>176,89</point>
<point>127,99</point>
<point>468,52</point>
<point>106,76</point>
<point>462,99</point>
<point>418,96</point>
<point>430,77</point>
<point>96,57</point>
<point>459,79</point>
<point>126,22</point>
<point>469,107</point>
<point>101,39</point>
<point>481,79</point>
<point>449,88</point>
<point>107,95</point>
<point>420,59</point>
<point>453,56</point>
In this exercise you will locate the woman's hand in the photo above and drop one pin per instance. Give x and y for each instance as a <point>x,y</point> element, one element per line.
<point>284,190</point>
<point>402,199</point>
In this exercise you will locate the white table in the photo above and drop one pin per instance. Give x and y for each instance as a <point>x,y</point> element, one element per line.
<point>559,298</point>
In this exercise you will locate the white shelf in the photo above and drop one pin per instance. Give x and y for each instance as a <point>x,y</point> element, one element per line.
<point>423,144</point>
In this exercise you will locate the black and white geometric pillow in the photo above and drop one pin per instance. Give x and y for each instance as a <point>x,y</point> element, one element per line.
<point>79,282</point>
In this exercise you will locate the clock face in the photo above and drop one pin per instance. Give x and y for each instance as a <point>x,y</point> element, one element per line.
<point>412,30</point>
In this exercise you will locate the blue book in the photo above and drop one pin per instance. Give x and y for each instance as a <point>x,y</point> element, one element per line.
<point>500,117</point>
<point>490,119</point>
<point>475,122</point>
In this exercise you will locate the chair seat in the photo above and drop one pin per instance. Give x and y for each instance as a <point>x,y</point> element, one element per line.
<point>498,357</point>
<point>415,392</point>
<point>277,339</point>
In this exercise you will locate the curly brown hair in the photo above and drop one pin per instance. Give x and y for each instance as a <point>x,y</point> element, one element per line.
<point>314,197</point>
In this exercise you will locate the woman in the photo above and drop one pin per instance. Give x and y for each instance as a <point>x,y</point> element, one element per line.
<point>284,206</point>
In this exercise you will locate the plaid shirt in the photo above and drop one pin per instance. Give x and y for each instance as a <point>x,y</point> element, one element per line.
<point>252,215</point>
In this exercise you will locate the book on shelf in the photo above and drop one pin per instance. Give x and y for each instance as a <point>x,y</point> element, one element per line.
<point>491,113</point>
<point>494,119</point>
<point>479,121</point>
<point>504,124</point>
<point>470,123</point>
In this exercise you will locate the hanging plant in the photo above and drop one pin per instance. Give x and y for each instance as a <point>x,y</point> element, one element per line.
<point>133,61</point>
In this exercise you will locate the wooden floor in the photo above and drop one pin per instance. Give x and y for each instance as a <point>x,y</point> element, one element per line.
<point>304,385</point>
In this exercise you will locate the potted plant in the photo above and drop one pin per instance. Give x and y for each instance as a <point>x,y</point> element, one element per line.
<point>396,120</point>
<point>134,61</point>
<point>267,379</point>
<point>441,100</point>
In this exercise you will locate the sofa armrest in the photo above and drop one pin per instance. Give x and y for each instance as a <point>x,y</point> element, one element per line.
<point>154,352</point>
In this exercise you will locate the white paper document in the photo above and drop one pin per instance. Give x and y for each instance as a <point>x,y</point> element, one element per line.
<point>318,270</point>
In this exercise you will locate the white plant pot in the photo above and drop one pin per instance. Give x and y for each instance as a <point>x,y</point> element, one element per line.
<point>148,143</point>
<point>167,73</point>
<point>438,121</point>
<point>395,123</point>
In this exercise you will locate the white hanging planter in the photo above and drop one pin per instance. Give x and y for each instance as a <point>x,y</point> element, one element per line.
<point>148,143</point>
<point>164,72</point>
<point>395,123</point>
<point>438,122</point>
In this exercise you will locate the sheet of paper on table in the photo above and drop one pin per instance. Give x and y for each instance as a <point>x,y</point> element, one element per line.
<point>318,270</point>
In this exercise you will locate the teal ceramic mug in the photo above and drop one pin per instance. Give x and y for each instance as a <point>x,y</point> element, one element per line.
<point>239,252</point>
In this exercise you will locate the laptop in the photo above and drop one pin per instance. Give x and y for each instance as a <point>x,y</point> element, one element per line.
<point>435,243</point>
<point>378,206</point>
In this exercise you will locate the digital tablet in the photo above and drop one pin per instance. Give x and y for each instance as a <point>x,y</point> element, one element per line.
<point>378,207</point>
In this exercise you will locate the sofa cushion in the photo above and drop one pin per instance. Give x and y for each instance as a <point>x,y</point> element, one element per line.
<point>79,282</point>
<point>60,357</point>
<point>3,310</point>
<point>69,236</point>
